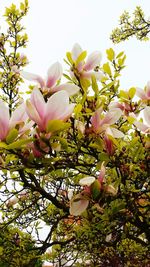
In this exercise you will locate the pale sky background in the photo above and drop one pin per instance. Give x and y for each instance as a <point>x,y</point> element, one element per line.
<point>53,26</point>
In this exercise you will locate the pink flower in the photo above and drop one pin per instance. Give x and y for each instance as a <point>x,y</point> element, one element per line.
<point>56,108</point>
<point>144,94</point>
<point>102,123</point>
<point>50,84</point>
<point>145,128</point>
<point>85,69</point>
<point>80,202</point>
<point>101,177</point>
<point>19,117</point>
<point>108,145</point>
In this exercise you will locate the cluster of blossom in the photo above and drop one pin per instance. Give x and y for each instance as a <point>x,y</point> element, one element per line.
<point>49,101</point>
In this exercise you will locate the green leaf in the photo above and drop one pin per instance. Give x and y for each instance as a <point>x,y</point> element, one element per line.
<point>110,54</point>
<point>85,83</point>
<point>57,125</point>
<point>22,6</point>
<point>94,85</point>
<point>120,54</point>
<point>3,145</point>
<point>132,92</point>
<point>78,108</point>
<point>121,61</point>
<point>1,250</point>
<point>103,157</point>
<point>81,57</point>
<point>12,136</point>
<point>69,57</point>
<point>18,144</point>
<point>130,120</point>
<point>107,69</point>
<point>123,94</point>
<point>96,186</point>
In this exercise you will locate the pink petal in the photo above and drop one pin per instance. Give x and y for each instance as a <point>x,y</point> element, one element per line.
<point>140,93</point>
<point>58,106</point>
<point>54,74</point>
<point>38,102</point>
<point>78,207</point>
<point>112,116</point>
<point>33,77</point>
<point>4,120</point>
<point>76,51</point>
<point>18,116</point>
<point>67,113</point>
<point>109,145</point>
<point>95,120</point>
<point>148,90</point>
<point>71,89</point>
<point>102,173</point>
<point>93,60</point>
<point>147,115</point>
<point>115,105</point>
<point>33,115</point>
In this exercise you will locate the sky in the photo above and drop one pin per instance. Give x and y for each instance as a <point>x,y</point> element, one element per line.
<point>54,26</point>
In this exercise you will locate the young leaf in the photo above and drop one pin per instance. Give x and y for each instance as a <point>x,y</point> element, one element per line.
<point>11,136</point>
<point>56,125</point>
<point>110,54</point>
<point>107,69</point>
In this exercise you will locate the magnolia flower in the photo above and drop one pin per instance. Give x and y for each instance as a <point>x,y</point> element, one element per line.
<point>12,201</point>
<point>80,202</point>
<point>19,118</point>
<point>49,85</point>
<point>123,106</point>
<point>85,69</point>
<point>145,128</point>
<point>108,143</point>
<point>56,108</point>
<point>144,94</point>
<point>103,123</point>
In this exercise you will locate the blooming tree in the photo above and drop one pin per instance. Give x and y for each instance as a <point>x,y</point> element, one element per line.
<point>74,157</point>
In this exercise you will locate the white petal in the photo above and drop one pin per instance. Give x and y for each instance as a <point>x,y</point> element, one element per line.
<point>70,193</point>
<point>114,132</point>
<point>33,114</point>
<point>71,89</point>
<point>147,115</point>
<point>140,93</point>
<point>33,77</point>
<point>54,74</point>
<point>76,51</point>
<point>87,180</point>
<point>77,207</point>
<point>93,60</point>
<point>26,127</point>
<point>58,106</point>
<point>18,116</point>
<point>148,89</point>
<point>99,75</point>
<point>112,116</point>
<point>4,120</point>
<point>141,126</point>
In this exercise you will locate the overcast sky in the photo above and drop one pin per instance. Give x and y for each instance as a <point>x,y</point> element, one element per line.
<point>53,26</point>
